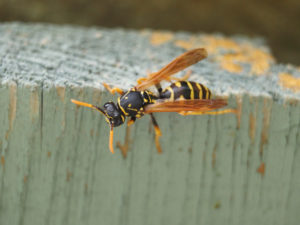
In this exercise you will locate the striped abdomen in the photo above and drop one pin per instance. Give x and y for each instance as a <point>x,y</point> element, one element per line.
<point>186,90</point>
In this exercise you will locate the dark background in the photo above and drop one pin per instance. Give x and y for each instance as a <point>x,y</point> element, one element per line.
<point>277,21</point>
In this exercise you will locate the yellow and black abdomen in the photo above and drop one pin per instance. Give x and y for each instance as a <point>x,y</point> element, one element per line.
<point>186,90</point>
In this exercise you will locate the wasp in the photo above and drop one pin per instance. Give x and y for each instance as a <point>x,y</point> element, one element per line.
<point>183,97</point>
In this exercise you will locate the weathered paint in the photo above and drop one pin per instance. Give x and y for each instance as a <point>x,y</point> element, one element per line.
<point>239,53</point>
<point>288,81</point>
<point>158,38</point>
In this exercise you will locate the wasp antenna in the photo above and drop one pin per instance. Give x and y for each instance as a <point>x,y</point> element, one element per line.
<point>82,103</point>
<point>111,139</point>
<point>85,104</point>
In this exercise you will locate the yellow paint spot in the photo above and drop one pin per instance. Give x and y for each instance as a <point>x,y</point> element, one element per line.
<point>25,178</point>
<point>231,66</point>
<point>158,38</point>
<point>240,53</point>
<point>49,154</point>
<point>288,81</point>
<point>186,44</point>
<point>61,92</point>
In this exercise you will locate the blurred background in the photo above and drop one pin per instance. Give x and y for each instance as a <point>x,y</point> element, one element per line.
<point>277,21</point>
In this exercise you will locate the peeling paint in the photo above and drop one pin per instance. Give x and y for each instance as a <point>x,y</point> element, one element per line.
<point>158,38</point>
<point>213,44</point>
<point>266,122</point>
<point>25,178</point>
<point>217,205</point>
<point>258,59</point>
<point>261,169</point>
<point>2,161</point>
<point>186,44</point>
<point>287,80</point>
<point>69,175</point>
<point>61,92</point>
<point>231,66</point>
<point>252,126</point>
<point>12,107</point>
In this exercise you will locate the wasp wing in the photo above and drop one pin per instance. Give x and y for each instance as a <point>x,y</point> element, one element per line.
<point>200,105</point>
<point>180,63</point>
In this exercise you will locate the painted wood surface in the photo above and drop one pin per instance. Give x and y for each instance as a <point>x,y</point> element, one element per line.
<point>229,169</point>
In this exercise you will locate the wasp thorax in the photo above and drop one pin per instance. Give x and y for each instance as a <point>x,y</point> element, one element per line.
<point>113,114</point>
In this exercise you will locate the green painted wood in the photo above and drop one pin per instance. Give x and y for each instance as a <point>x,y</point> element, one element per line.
<point>55,164</point>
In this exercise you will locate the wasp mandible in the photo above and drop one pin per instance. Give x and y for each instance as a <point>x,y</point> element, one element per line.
<point>183,97</point>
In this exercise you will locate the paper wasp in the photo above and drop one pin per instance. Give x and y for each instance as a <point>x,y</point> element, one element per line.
<point>183,97</point>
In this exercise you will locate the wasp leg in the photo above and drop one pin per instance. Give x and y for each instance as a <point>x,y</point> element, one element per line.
<point>185,113</point>
<point>111,139</point>
<point>113,90</point>
<point>131,121</point>
<point>125,147</point>
<point>157,133</point>
<point>141,80</point>
<point>159,89</point>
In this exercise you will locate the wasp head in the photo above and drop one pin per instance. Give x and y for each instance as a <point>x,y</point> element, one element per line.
<point>113,114</point>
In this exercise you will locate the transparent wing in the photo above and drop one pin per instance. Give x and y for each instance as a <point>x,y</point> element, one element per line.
<point>199,105</point>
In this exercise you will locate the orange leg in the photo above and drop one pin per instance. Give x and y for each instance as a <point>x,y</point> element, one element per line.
<point>113,90</point>
<point>111,139</point>
<point>157,134</point>
<point>141,80</point>
<point>185,113</point>
<point>131,121</point>
<point>125,147</point>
